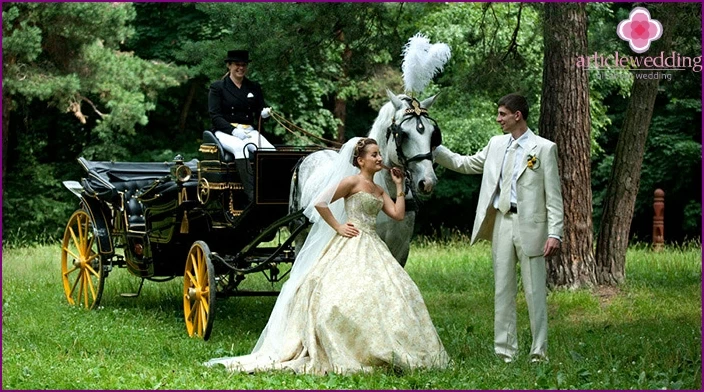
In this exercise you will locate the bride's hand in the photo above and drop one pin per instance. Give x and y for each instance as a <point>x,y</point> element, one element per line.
<point>347,230</point>
<point>397,175</point>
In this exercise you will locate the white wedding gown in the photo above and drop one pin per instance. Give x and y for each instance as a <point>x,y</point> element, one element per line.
<point>355,310</point>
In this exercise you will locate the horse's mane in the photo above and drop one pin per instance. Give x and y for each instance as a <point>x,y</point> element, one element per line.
<point>383,122</point>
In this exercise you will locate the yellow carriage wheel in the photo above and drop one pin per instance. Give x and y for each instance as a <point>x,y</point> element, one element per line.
<point>199,291</point>
<point>81,264</point>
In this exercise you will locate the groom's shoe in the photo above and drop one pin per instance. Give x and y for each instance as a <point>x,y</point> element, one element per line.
<point>538,359</point>
<point>505,358</point>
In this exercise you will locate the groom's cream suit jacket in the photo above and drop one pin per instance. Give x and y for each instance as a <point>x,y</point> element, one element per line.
<point>539,200</point>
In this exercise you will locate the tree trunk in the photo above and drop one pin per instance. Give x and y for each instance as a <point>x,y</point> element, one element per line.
<point>6,109</point>
<point>340,111</point>
<point>620,200</point>
<point>564,119</point>
<point>187,106</point>
<point>341,114</point>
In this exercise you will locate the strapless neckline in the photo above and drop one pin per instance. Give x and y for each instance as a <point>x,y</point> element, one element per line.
<point>380,197</point>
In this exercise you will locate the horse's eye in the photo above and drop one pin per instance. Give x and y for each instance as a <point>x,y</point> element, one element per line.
<point>436,138</point>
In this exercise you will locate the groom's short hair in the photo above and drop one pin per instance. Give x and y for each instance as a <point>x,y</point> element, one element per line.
<point>515,103</point>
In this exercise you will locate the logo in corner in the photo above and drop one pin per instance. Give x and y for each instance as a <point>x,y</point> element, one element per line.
<point>639,30</point>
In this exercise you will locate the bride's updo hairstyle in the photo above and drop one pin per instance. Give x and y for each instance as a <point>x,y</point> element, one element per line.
<point>360,148</point>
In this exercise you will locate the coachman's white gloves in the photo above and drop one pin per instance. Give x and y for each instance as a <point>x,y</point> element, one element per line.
<point>266,112</point>
<point>240,133</point>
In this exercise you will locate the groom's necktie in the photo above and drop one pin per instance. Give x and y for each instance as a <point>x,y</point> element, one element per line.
<point>506,177</point>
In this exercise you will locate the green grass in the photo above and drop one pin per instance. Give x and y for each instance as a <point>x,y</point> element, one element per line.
<point>645,334</point>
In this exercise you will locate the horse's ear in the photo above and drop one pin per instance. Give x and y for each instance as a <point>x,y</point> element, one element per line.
<point>428,102</point>
<point>398,104</point>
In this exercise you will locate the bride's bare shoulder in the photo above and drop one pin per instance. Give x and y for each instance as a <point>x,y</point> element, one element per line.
<point>350,180</point>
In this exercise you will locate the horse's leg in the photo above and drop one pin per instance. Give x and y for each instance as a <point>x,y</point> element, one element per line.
<point>397,235</point>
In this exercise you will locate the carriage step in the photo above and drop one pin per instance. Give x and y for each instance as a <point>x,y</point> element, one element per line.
<point>134,295</point>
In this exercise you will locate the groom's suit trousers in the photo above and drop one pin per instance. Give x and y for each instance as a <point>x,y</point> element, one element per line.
<point>506,252</point>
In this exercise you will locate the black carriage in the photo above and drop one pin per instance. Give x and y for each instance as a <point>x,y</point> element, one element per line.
<point>182,218</point>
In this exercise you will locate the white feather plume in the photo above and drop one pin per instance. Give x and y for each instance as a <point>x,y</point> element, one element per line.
<point>422,61</point>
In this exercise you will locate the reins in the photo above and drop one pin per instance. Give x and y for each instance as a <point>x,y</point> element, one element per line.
<point>283,121</point>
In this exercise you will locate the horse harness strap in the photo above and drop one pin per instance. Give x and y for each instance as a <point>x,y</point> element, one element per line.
<point>417,112</point>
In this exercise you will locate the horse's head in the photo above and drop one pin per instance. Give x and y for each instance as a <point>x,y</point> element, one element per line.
<point>406,135</point>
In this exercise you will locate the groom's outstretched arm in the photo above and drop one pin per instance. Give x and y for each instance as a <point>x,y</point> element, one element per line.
<point>467,164</point>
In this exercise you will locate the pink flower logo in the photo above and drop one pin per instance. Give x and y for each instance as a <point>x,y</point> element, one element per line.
<point>639,30</point>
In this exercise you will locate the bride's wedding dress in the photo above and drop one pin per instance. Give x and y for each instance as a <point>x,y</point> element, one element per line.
<point>356,309</point>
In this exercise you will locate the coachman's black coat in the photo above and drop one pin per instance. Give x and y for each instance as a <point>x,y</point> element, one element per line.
<point>228,104</point>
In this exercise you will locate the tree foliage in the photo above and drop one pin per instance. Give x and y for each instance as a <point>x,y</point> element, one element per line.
<point>66,79</point>
<point>67,55</point>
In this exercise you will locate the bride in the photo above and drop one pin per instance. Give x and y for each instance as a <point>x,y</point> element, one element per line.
<point>348,305</point>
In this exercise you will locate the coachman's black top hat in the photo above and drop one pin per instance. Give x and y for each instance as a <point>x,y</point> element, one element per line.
<point>235,56</point>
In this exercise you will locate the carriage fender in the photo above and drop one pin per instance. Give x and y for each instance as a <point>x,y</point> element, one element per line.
<point>75,188</point>
<point>100,220</point>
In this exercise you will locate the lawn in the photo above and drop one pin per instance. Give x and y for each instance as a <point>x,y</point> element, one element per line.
<point>645,334</point>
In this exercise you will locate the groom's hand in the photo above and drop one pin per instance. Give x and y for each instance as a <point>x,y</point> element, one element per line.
<point>552,247</point>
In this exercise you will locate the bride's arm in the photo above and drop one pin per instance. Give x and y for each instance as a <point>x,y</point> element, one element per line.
<point>343,190</point>
<point>396,210</point>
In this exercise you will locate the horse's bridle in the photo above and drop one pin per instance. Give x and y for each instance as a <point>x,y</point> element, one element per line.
<point>417,112</point>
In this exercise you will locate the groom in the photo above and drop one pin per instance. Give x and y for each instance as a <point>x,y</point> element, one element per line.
<point>520,212</point>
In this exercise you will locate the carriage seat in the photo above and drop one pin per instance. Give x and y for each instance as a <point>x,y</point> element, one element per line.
<point>210,141</point>
<point>106,180</point>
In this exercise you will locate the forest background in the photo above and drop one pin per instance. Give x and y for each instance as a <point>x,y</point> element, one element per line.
<point>129,82</point>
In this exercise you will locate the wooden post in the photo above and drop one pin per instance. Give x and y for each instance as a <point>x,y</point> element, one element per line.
<point>659,220</point>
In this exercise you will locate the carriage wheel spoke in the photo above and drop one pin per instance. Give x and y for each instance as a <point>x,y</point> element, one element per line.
<point>91,241</point>
<point>198,320</point>
<point>92,257</point>
<point>191,279</point>
<point>92,271</point>
<point>86,284</point>
<point>194,265</point>
<point>205,302</point>
<point>90,284</point>
<point>86,235</point>
<point>200,269</point>
<point>78,278</point>
<point>191,312</point>
<point>202,274</point>
<point>80,232</point>
<point>204,321</point>
<point>69,271</point>
<point>80,287</point>
<point>70,253</point>
<point>75,241</point>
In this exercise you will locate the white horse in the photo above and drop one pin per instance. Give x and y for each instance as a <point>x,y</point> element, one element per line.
<point>405,135</point>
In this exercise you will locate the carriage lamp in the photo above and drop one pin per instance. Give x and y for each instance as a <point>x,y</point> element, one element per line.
<point>179,170</point>
<point>182,173</point>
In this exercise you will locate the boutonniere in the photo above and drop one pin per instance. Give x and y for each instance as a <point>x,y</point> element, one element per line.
<point>533,162</point>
